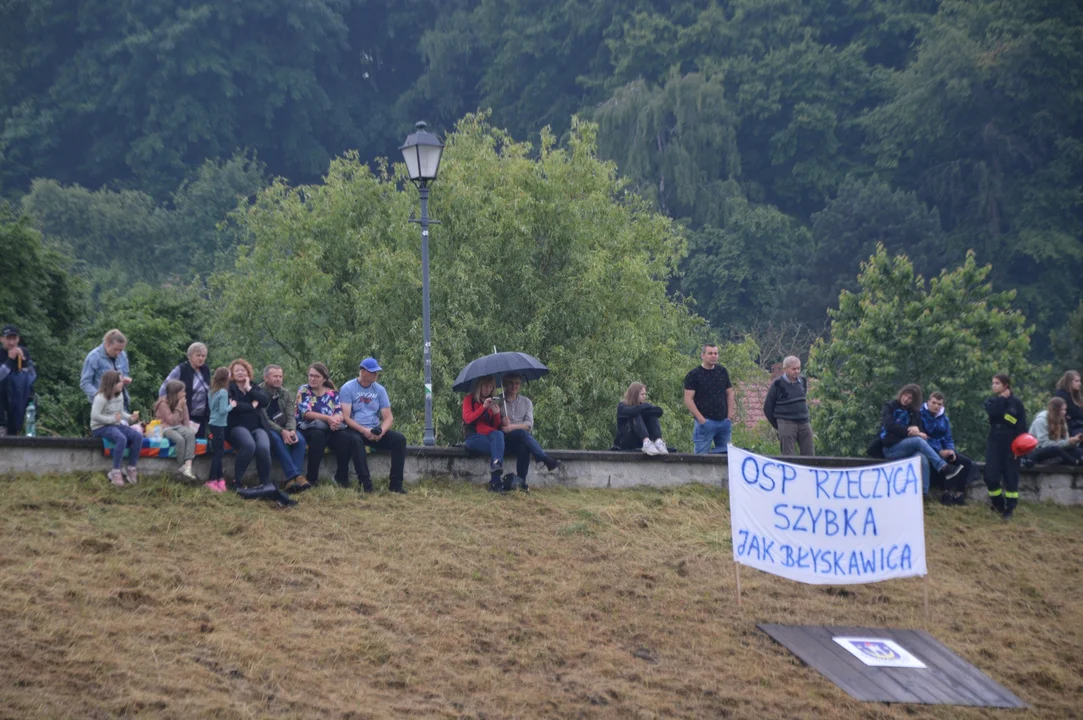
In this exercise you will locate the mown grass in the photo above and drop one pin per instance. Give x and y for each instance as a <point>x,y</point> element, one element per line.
<point>166,601</point>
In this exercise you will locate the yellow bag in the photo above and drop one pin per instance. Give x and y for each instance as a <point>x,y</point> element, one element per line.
<point>153,429</point>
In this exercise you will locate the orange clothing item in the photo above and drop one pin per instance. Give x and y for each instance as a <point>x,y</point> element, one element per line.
<point>483,420</point>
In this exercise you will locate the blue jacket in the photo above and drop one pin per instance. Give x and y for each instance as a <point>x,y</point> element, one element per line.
<point>95,365</point>
<point>938,428</point>
<point>17,381</point>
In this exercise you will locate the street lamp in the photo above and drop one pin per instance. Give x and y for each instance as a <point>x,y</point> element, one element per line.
<point>422,151</point>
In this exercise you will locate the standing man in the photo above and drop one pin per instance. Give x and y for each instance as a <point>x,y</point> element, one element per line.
<point>935,424</point>
<point>109,355</point>
<point>367,410</point>
<point>786,408</point>
<point>708,395</point>
<point>288,444</point>
<point>517,424</point>
<point>17,376</point>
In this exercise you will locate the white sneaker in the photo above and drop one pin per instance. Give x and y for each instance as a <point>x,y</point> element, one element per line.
<point>649,448</point>
<point>660,446</point>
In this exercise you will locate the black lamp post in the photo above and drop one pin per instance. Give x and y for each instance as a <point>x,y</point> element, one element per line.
<point>422,151</point>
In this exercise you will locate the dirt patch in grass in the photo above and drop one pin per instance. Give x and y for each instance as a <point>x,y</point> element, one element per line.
<point>165,601</point>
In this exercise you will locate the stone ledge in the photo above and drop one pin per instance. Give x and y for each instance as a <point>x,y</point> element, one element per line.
<point>581,468</point>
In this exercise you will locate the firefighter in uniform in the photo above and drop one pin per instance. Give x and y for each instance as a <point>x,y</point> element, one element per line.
<point>1007,419</point>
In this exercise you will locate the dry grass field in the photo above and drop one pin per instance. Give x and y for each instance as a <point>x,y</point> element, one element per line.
<point>167,601</point>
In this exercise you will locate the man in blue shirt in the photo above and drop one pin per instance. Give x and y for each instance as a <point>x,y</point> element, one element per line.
<point>935,424</point>
<point>367,410</point>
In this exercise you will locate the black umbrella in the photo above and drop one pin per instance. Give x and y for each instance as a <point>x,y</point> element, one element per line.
<point>498,364</point>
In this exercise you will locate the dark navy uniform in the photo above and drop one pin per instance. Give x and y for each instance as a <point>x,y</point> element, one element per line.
<point>1007,420</point>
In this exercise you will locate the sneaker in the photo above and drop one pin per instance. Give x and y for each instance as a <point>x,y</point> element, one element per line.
<point>187,472</point>
<point>398,489</point>
<point>952,471</point>
<point>496,466</point>
<point>495,485</point>
<point>550,463</point>
<point>132,474</point>
<point>521,485</point>
<point>1007,515</point>
<point>649,448</point>
<point>947,499</point>
<point>212,485</point>
<point>959,499</point>
<point>116,477</point>
<point>660,446</point>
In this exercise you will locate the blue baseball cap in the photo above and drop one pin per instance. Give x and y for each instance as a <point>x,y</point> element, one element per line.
<point>371,365</point>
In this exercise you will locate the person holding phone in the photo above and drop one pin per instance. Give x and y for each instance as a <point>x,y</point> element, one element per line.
<point>483,423</point>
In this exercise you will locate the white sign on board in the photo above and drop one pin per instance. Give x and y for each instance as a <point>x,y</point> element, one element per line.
<point>879,652</point>
<point>827,526</point>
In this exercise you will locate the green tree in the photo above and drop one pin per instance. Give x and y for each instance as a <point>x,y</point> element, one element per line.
<point>125,237</point>
<point>160,323</point>
<point>986,124</point>
<point>738,273</point>
<point>1068,343</point>
<point>46,302</point>
<point>540,250</point>
<point>950,334</point>
<point>862,215</point>
<point>137,94</point>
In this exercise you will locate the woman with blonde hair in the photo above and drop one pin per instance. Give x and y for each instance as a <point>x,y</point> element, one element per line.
<point>482,420</point>
<point>638,426</point>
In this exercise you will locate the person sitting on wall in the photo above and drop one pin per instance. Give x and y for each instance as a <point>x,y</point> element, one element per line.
<point>1055,444</point>
<point>366,409</point>
<point>937,427</point>
<point>638,425</point>
<point>902,437</point>
<point>518,426</point>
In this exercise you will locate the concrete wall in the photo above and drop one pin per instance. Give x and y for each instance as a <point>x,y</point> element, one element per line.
<point>581,469</point>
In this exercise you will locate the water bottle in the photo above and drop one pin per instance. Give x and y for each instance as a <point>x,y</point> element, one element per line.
<point>156,433</point>
<point>30,422</point>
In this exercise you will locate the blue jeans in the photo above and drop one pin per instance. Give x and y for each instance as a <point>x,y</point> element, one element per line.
<point>524,445</point>
<point>717,431</point>
<point>491,445</point>
<point>917,446</point>
<point>122,437</point>
<point>290,457</point>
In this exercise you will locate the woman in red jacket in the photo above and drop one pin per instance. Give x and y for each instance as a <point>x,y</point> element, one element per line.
<point>481,416</point>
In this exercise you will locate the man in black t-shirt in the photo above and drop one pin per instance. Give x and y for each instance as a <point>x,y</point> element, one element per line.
<point>708,395</point>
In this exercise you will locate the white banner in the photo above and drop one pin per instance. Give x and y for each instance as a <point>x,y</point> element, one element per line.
<point>827,526</point>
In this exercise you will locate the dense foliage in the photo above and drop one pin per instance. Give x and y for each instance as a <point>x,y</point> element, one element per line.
<point>532,255</point>
<point>951,334</point>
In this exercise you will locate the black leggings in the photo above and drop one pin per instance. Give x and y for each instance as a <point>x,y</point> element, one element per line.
<point>1058,454</point>
<point>345,445</point>
<point>642,427</point>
